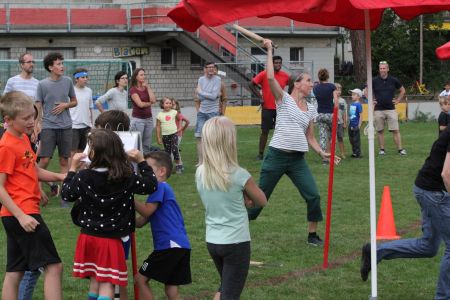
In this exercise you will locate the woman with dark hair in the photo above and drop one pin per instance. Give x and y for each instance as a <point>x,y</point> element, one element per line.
<point>326,97</point>
<point>294,131</point>
<point>117,97</point>
<point>142,97</point>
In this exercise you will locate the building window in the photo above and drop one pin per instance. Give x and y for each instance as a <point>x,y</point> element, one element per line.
<point>296,54</point>
<point>196,61</point>
<point>257,51</point>
<point>168,57</point>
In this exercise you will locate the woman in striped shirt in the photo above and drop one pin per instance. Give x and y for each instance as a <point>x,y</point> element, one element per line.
<point>294,130</point>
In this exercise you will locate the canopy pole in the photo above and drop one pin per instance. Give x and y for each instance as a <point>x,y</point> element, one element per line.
<point>373,212</point>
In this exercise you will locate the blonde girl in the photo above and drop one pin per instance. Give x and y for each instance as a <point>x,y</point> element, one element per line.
<point>226,190</point>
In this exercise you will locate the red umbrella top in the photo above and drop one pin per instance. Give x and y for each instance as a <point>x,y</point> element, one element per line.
<point>191,14</point>
<point>443,52</point>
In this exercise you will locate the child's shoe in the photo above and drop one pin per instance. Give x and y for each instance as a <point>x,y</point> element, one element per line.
<point>179,169</point>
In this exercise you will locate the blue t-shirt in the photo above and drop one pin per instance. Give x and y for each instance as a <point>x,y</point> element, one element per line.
<point>167,221</point>
<point>324,96</point>
<point>354,113</point>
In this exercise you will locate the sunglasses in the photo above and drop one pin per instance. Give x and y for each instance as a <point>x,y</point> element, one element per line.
<point>383,62</point>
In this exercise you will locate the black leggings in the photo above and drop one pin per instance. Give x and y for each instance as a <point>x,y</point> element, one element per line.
<point>232,262</point>
<point>170,143</point>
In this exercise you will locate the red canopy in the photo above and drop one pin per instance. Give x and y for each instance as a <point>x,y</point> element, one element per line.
<point>191,14</point>
<point>443,52</point>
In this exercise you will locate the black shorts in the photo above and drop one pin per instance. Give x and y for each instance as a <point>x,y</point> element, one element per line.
<point>170,266</point>
<point>268,118</point>
<point>79,138</point>
<point>28,251</point>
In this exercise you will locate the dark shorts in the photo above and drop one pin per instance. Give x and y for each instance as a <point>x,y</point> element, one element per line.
<point>340,132</point>
<point>51,138</point>
<point>79,138</point>
<point>268,118</point>
<point>170,266</point>
<point>28,251</point>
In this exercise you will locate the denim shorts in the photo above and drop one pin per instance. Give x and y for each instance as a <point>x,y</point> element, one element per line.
<point>201,119</point>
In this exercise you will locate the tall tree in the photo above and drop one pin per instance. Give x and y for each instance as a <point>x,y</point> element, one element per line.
<point>359,55</point>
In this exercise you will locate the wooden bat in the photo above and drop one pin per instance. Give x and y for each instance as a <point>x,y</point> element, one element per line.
<point>250,34</point>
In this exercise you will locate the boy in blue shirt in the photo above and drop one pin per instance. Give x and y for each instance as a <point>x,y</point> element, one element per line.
<point>355,111</point>
<point>169,263</point>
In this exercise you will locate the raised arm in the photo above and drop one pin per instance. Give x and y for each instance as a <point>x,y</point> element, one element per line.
<point>275,87</point>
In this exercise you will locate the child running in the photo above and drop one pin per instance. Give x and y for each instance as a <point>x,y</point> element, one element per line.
<point>180,126</point>
<point>166,126</point>
<point>30,246</point>
<point>226,189</point>
<point>105,209</point>
<point>169,263</point>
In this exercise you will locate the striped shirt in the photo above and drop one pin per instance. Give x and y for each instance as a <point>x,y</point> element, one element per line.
<point>27,86</point>
<point>291,125</point>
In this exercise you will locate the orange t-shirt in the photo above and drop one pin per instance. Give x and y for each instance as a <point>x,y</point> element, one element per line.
<point>18,162</point>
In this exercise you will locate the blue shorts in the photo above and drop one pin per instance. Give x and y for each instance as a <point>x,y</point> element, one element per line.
<point>201,119</point>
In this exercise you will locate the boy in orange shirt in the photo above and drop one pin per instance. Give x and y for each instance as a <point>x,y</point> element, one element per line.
<point>29,243</point>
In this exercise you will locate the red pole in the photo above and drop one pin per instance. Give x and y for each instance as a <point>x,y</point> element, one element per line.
<point>134,264</point>
<point>330,188</point>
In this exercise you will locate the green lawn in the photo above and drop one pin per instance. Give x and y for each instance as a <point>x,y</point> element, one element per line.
<point>291,269</point>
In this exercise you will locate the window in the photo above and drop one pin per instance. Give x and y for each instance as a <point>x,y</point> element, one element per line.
<point>296,54</point>
<point>257,51</point>
<point>168,57</point>
<point>196,61</point>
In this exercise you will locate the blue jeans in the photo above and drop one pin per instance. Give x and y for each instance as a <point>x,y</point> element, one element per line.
<point>435,208</point>
<point>201,119</point>
<point>145,127</point>
<point>27,285</point>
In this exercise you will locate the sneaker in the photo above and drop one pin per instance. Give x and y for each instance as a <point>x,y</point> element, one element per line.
<point>381,152</point>
<point>55,189</point>
<point>315,240</point>
<point>259,157</point>
<point>402,152</point>
<point>179,169</point>
<point>365,262</point>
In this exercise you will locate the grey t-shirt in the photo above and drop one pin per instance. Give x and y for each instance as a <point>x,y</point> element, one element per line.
<point>210,93</point>
<point>117,99</point>
<point>51,92</point>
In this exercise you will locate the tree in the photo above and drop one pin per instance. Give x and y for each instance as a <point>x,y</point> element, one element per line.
<point>359,55</point>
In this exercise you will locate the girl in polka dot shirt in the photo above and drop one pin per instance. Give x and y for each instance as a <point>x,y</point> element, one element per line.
<point>104,209</point>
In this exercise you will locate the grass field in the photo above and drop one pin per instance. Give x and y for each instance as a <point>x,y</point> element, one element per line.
<point>292,269</point>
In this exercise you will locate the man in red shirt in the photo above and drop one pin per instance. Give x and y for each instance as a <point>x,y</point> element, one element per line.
<point>269,112</point>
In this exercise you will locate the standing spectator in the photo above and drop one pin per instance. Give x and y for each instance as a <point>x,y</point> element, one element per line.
<point>342,120</point>
<point>384,87</point>
<point>117,97</point>
<point>446,91</point>
<point>141,117</point>
<point>182,124</point>
<point>355,123</point>
<point>208,94</point>
<point>444,117</point>
<point>269,111</point>
<point>294,131</point>
<point>325,95</point>
<point>54,96</point>
<point>82,113</point>
<point>431,189</point>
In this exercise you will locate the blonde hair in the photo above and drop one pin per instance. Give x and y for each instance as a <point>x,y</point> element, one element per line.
<point>11,104</point>
<point>219,154</point>
<point>442,100</point>
<point>338,86</point>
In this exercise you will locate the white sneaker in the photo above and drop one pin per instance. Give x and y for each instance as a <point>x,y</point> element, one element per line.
<point>402,152</point>
<point>381,152</point>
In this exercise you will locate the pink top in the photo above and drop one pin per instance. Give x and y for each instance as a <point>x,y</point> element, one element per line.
<point>141,113</point>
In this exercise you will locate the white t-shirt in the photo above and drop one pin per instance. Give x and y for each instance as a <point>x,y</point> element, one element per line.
<point>81,114</point>
<point>444,93</point>
<point>27,86</point>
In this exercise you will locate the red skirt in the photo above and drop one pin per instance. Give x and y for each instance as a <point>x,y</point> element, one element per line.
<point>100,258</point>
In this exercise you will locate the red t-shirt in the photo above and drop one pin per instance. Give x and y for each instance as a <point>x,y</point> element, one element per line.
<point>261,79</point>
<point>18,162</point>
<point>137,112</point>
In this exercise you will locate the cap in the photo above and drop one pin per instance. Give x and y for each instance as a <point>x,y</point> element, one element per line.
<point>357,91</point>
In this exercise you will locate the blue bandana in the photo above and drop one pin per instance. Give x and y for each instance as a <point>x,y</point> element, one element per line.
<point>80,74</point>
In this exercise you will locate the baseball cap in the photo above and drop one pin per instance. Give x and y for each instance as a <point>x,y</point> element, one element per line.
<point>357,91</point>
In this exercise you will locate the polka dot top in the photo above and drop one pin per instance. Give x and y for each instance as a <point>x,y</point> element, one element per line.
<point>103,208</point>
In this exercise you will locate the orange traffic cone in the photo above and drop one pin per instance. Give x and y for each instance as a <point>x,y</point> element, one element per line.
<point>386,224</point>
